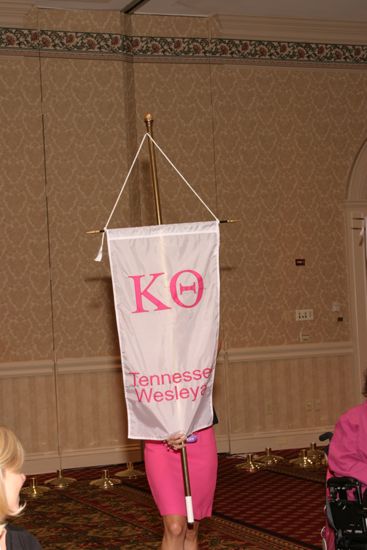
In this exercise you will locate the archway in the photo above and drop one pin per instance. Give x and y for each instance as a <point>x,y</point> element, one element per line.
<point>356,211</point>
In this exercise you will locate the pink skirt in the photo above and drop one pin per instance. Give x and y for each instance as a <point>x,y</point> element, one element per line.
<point>164,472</point>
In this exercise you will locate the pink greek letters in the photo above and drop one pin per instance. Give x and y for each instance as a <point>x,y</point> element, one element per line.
<point>187,288</point>
<point>139,293</point>
<point>183,293</point>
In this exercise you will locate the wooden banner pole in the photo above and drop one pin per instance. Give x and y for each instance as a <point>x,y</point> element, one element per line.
<point>148,119</point>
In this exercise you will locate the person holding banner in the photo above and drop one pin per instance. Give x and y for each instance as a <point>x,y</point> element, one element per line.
<point>164,471</point>
<point>166,291</point>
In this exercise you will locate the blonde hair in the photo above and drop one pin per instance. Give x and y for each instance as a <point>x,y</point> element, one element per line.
<point>11,458</point>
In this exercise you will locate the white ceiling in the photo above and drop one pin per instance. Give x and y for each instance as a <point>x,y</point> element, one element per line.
<point>332,10</point>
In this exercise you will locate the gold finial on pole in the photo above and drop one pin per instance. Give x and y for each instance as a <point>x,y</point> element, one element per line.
<point>148,119</point>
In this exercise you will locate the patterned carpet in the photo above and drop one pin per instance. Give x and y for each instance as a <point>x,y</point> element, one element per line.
<point>263,511</point>
<point>280,504</point>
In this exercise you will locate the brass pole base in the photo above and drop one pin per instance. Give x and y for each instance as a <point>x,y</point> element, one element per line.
<point>302,461</point>
<point>250,465</point>
<point>269,458</point>
<point>105,482</point>
<point>316,456</point>
<point>130,472</point>
<point>33,490</point>
<point>60,482</point>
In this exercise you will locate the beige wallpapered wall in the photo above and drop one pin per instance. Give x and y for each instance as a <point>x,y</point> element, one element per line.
<point>272,147</point>
<point>86,153</point>
<point>283,157</point>
<point>25,320</point>
<point>269,145</point>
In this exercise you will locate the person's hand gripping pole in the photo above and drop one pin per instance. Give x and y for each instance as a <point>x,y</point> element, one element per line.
<point>177,442</point>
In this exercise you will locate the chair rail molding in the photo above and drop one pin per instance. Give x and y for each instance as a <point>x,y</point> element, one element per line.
<point>292,351</point>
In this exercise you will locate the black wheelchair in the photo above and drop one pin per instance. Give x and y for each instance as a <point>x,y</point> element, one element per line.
<point>346,510</point>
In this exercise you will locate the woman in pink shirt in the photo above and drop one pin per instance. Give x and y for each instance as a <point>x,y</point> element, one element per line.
<point>347,454</point>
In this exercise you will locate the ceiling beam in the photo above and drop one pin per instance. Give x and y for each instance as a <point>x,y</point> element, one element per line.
<point>134,5</point>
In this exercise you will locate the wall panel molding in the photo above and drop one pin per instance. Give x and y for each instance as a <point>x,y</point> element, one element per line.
<point>26,368</point>
<point>37,463</point>
<point>276,396</point>
<point>281,396</point>
<point>286,439</point>
<point>292,351</point>
<point>100,364</point>
<point>88,365</point>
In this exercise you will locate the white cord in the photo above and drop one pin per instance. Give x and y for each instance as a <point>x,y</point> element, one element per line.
<point>99,256</point>
<point>182,177</point>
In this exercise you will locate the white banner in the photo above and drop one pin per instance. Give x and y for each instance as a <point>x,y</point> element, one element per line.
<point>166,290</point>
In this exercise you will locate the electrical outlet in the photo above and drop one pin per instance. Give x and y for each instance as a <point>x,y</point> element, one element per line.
<point>303,337</point>
<point>304,314</point>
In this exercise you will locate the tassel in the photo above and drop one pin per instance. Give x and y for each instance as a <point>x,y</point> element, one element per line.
<point>99,256</point>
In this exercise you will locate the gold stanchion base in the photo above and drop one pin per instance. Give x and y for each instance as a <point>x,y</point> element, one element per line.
<point>33,490</point>
<point>302,461</point>
<point>130,472</point>
<point>269,458</point>
<point>60,482</point>
<point>105,482</point>
<point>250,465</point>
<point>316,456</point>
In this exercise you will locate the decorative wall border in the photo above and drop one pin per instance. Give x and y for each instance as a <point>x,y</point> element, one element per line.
<point>135,47</point>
